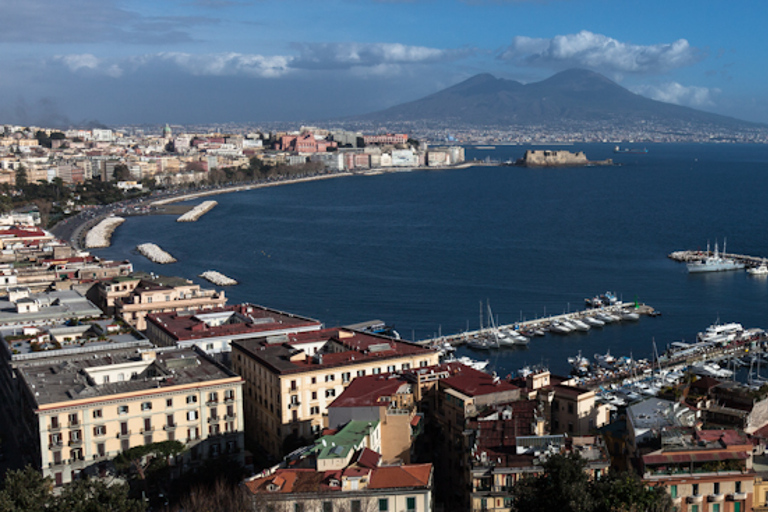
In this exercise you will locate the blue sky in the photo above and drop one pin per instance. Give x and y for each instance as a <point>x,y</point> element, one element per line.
<point>215,61</point>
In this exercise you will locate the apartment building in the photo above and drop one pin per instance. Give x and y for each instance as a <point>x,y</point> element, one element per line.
<point>214,330</point>
<point>291,382</point>
<point>703,470</point>
<point>134,297</point>
<point>79,413</point>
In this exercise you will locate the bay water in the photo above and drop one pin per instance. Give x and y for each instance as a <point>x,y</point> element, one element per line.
<point>421,250</point>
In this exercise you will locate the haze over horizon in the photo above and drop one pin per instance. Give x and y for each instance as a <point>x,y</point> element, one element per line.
<point>213,61</point>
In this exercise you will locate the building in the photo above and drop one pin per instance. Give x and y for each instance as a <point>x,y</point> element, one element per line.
<point>647,419</point>
<point>214,330</point>
<point>342,472</point>
<point>79,413</point>
<point>304,143</point>
<point>386,138</point>
<point>291,382</point>
<point>134,297</point>
<point>703,470</point>
<point>22,308</point>
<point>389,400</point>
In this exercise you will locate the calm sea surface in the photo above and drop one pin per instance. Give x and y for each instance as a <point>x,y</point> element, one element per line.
<point>421,249</point>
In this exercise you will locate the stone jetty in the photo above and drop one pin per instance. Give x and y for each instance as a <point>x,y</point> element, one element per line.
<point>197,212</point>
<point>101,234</point>
<point>218,278</point>
<point>155,253</point>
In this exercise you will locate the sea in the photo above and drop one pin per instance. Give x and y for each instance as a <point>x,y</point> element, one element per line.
<point>429,251</point>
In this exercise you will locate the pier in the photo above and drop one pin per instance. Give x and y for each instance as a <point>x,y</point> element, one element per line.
<point>197,212</point>
<point>538,323</point>
<point>688,256</point>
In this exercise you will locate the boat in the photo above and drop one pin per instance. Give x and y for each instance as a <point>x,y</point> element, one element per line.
<point>627,314</point>
<point>580,326</point>
<point>721,333</point>
<point>606,317</point>
<point>472,363</point>
<point>592,321</point>
<point>606,360</point>
<point>618,149</point>
<point>714,263</point>
<point>762,270</point>
<point>579,364</point>
<point>559,328</point>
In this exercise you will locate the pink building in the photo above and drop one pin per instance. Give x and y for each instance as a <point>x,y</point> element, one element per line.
<point>304,143</point>
<point>387,138</point>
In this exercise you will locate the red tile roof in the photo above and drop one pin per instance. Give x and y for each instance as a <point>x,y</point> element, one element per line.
<point>473,382</point>
<point>684,458</point>
<point>413,475</point>
<point>366,391</point>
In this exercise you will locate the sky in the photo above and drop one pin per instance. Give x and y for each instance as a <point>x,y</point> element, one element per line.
<point>259,61</point>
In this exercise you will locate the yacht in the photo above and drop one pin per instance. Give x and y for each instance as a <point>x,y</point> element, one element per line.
<point>592,321</point>
<point>605,360</point>
<point>477,365</point>
<point>606,317</point>
<point>762,270</point>
<point>580,326</point>
<point>559,328</point>
<point>579,363</point>
<point>627,314</point>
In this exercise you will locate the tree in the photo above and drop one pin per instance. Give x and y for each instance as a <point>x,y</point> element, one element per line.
<point>625,492</point>
<point>564,487</point>
<point>25,490</point>
<point>146,458</point>
<point>21,177</point>
<point>121,173</point>
<point>93,495</point>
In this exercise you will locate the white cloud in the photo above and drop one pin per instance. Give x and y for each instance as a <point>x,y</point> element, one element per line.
<point>673,92</point>
<point>230,64</point>
<point>601,53</point>
<point>368,55</point>
<point>88,61</point>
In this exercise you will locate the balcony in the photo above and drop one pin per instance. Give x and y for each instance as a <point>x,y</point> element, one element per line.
<point>716,498</point>
<point>146,430</point>
<point>214,419</point>
<point>55,444</point>
<point>212,403</point>
<point>696,498</point>
<point>294,405</point>
<point>169,427</point>
<point>737,496</point>
<point>229,399</point>
<point>54,428</point>
<point>124,434</point>
<point>229,417</point>
<point>75,442</point>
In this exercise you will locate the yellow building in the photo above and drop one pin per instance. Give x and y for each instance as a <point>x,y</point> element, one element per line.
<point>290,381</point>
<point>134,297</point>
<point>78,414</point>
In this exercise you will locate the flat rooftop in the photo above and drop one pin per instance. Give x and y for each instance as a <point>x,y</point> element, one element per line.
<point>57,382</point>
<point>241,319</point>
<point>55,306</point>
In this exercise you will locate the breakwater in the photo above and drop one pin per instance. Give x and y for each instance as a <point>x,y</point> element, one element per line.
<point>101,234</point>
<point>154,253</point>
<point>218,278</point>
<point>688,256</point>
<point>197,212</point>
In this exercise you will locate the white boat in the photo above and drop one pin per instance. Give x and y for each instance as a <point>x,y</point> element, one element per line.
<point>762,270</point>
<point>722,333</point>
<point>715,263</point>
<point>568,324</point>
<point>592,321</point>
<point>605,360</point>
<point>580,326</point>
<point>518,339</point>
<point>559,328</point>
<point>627,314</point>
<point>606,317</point>
<point>579,363</point>
<point>481,344</point>
<point>472,363</point>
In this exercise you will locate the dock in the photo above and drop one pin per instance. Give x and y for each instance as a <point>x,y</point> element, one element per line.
<point>688,256</point>
<point>538,323</point>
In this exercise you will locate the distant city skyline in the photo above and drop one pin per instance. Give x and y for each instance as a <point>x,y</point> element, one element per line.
<point>214,61</point>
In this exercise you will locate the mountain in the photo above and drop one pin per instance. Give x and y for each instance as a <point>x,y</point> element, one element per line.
<point>575,95</point>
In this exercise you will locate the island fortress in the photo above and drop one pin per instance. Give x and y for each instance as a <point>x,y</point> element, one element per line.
<point>549,158</point>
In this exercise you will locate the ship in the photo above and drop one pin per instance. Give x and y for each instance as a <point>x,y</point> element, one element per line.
<point>715,263</point>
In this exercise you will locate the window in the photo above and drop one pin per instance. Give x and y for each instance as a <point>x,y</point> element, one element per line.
<point>570,408</point>
<point>97,413</point>
<point>694,508</point>
<point>361,373</point>
<point>298,507</point>
<point>293,385</point>
<point>191,415</point>
<point>327,506</point>
<point>391,368</point>
<point>294,399</point>
<point>169,420</point>
<point>147,424</point>
<point>716,487</point>
<point>410,503</point>
<point>346,377</point>
<point>736,506</point>
<point>355,506</point>
<point>314,410</point>
<point>191,399</point>
<point>716,507</point>
<point>213,396</point>
<point>169,402</point>
<point>330,377</point>
<point>738,487</point>
<point>376,371</point>
<point>229,394</point>
<point>330,393</point>
<point>99,430</point>
<point>406,366</point>
<point>122,409</point>
<point>314,380</point>
<point>695,489</point>
<point>124,428</point>
<point>214,413</point>
<point>673,491</point>
<point>314,395</point>
<point>73,419</point>
<point>423,363</point>
<point>146,406</point>
<point>101,449</point>
<point>54,422</point>
<point>383,504</point>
